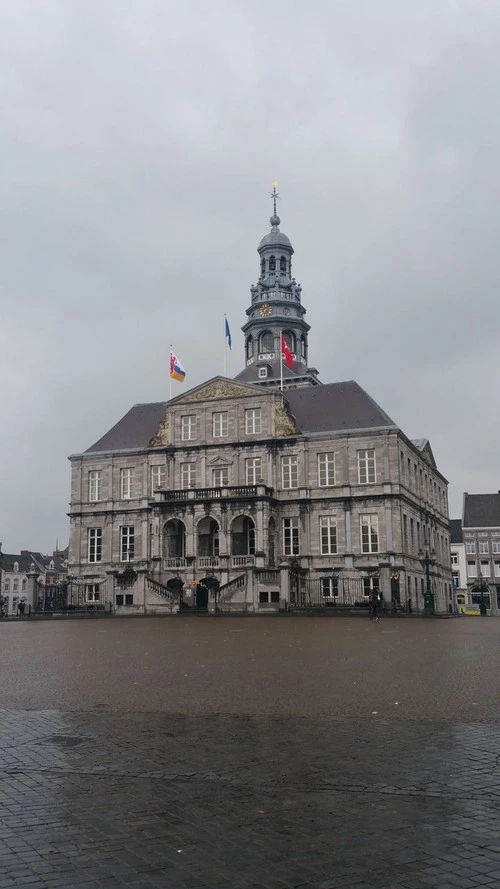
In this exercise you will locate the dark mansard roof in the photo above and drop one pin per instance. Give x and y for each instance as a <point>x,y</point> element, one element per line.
<point>481,510</point>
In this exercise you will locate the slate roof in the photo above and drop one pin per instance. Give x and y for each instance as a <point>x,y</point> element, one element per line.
<point>481,510</point>
<point>250,374</point>
<point>456,531</point>
<point>334,407</point>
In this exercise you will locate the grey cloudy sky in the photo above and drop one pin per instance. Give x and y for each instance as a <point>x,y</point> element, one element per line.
<point>138,144</point>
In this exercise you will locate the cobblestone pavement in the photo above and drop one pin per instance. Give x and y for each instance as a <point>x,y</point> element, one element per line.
<point>126,798</point>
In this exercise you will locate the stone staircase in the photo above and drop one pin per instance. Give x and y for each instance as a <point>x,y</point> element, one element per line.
<point>227,590</point>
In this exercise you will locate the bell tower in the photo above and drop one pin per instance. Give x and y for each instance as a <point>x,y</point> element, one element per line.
<point>276,309</point>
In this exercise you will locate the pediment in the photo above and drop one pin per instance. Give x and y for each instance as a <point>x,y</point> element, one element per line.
<point>219,461</point>
<point>216,390</point>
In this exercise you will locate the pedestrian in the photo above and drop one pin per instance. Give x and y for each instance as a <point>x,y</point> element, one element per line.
<point>20,609</point>
<point>375,602</point>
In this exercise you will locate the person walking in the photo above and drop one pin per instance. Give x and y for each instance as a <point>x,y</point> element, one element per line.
<point>375,602</point>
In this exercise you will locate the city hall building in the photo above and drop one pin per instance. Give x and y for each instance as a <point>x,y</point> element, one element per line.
<point>270,491</point>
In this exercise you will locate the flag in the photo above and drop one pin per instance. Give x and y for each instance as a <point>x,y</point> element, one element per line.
<point>285,352</point>
<point>177,371</point>
<point>228,335</point>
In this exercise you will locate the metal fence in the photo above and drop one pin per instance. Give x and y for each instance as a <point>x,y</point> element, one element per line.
<point>327,592</point>
<point>70,597</point>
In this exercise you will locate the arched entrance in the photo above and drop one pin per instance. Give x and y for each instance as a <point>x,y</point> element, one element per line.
<point>205,587</point>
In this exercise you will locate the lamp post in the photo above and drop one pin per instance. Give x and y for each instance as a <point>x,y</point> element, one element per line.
<point>483,588</point>
<point>427,560</point>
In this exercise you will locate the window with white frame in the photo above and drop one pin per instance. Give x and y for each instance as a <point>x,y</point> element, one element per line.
<point>497,568</point>
<point>471,569</point>
<point>158,477</point>
<point>95,485</point>
<point>188,427</point>
<point>369,533</point>
<point>483,548</point>
<point>454,558</point>
<point>328,535</point>
<point>219,424</point>
<point>470,547</point>
<point>366,467</point>
<point>495,546</point>
<point>24,585</point>
<point>330,587</point>
<point>253,470</point>
<point>456,581</point>
<point>485,569</point>
<point>15,585</point>
<point>289,471</point>
<point>220,477</point>
<point>262,373</point>
<point>92,592</point>
<point>188,475</point>
<point>291,537</point>
<point>126,477</point>
<point>127,543</point>
<point>6,585</point>
<point>94,544</point>
<point>326,470</point>
<point>253,423</point>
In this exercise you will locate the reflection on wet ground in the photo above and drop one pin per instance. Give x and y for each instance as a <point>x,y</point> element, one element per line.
<point>239,753</point>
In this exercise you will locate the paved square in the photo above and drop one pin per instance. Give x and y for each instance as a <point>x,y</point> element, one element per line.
<point>233,752</point>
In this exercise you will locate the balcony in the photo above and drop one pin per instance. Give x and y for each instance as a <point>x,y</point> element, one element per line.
<point>233,492</point>
<point>208,562</point>
<point>242,561</point>
<point>174,563</point>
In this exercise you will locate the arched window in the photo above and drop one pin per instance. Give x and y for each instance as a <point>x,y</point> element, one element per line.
<point>243,536</point>
<point>16,566</point>
<point>290,340</point>
<point>263,266</point>
<point>249,347</point>
<point>174,539</point>
<point>266,342</point>
<point>303,347</point>
<point>283,264</point>
<point>208,537</point>
<point>272,263</point>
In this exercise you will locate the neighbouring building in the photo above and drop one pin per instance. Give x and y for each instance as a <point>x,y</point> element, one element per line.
<point>27,577</point>
<point>481,537</point>
<point>458,563</point>
<point>270,491</point>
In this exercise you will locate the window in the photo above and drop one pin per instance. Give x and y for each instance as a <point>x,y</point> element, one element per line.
<point>272,263</point>
<point>15,585</point>
<point>219,424</point>
<point>282,264</point>
<point>412,534</point>
<point>94,485</point>
<point>220,477</point>
<point>326,470</point>
<point>6,585</point>
<point>265,597</point>
<point>94,538</point>
<point>158,477</point>
<point>328,535</point>
<point>289,471</point>
<point>372,583</point>
<point>252,420</point>
<point>330,587</point>
<point>266,342</point>
<point>127,543</point>
<point>495,546</point>
<point>471,569</point>
<point>408,467</point>
<point>470,547</point>
<point>405,531</point>
<point>92,592</point>
<point>126,483</point>
<point>366,467</point>
<point>369,533</point>
<point>188,475</point>
<point>262,373</point>
<point>124,599</point>
<point>483,548</point>
<point>485,569</point>
<point>24,585</point>
<point>291,537</point>
<point>188,427</point>
<point>497,569</point>
<point>456,581</point>
<point>454,559</point>
<point>253,470</point>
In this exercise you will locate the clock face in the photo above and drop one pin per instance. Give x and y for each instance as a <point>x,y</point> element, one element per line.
<point>265,311</point>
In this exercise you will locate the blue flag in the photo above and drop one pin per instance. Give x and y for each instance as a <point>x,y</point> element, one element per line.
<point>228,335</point>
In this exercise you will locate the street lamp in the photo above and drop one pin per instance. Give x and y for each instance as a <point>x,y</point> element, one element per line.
<point>426,562</point>
<point>482,587</point>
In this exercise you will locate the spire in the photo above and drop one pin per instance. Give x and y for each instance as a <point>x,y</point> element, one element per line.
<point>274,220</point>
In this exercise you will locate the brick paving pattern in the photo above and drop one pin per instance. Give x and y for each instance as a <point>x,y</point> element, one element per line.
<point>122,798</point>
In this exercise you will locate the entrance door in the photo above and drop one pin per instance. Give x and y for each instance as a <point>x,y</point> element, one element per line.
<point>201,596</point>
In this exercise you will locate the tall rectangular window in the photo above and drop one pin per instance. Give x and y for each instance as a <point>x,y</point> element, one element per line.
<point>485,569</point>
<point>220,477</point>
<point>219,424</point>
<point>94,544</point>
<point>471,569</point>
<point>291,537</point>
<point>330,587</point>
<point>94,485</point>
<point>470,547</point>
<point>405,532</point>
<point>289,471</point>
<point>328,535</point>
<point>188,427</point>
<point>188,475</point>
<point>127,543</point>
<point>412,534</point>
<point>253,470</point>
<point>92,592</point>
<point>483,548</point>
<point>126,477</point>
<point>326,470</point>
<point>369,533</point>
<point>158,477</point>
<point>366,467</point>
<point>253,421</point>
<point>497,569</point>
<point>495,546</point>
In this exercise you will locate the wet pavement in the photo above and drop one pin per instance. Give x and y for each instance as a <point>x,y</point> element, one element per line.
<point>250,752</point>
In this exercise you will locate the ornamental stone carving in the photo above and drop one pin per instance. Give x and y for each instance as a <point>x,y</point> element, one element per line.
<point>219,389</point>
<point>162,437</point>
<point>284,424</point>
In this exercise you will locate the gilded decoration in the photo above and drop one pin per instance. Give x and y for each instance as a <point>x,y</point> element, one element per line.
<point>219,389</point>
<point>284,424</point>
<point>162,437</point>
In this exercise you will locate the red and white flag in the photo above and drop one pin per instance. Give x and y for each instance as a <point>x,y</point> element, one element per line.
<point>286,353</point>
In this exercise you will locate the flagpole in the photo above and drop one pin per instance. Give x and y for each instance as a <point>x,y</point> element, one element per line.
<point>281,359</point>
<point>225,347</point>
<point>170,374</point>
